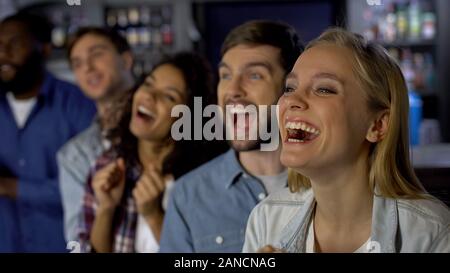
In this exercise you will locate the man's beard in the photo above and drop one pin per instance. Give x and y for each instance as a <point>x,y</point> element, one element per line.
<point>27,75</point>
<point>251,145</point>
<point>247,145</point>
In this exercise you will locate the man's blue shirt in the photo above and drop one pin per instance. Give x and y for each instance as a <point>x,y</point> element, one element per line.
<point>34,221</point>
<point>209,208</point>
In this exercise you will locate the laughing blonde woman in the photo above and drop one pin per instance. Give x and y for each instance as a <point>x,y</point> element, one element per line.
<point>344,125</point>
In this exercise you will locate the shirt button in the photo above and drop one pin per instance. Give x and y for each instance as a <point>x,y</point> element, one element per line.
<point>22,162</point>
<point>219,240</point>
<point>245,176</point>
<point>261,196</point>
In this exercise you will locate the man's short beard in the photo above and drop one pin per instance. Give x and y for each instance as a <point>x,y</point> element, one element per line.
<point>244,145</point>
<point>250,145</point>
<point>27,75</point>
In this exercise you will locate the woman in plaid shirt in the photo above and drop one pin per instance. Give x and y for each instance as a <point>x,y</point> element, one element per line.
<point>123,206</point>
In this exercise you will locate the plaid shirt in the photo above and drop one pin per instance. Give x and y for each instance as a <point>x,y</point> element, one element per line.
<point>125,217</point>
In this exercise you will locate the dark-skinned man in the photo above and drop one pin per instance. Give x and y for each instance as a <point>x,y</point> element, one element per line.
<point>38,114</point>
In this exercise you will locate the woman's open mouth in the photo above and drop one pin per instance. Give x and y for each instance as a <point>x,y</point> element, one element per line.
<point>300,132</point>
<point>144,113</point>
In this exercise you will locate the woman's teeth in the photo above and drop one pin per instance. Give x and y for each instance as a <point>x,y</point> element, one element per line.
<point>302,126</point>
<point>295,140</point>
<point>300,132</point>
<point>142,110</point>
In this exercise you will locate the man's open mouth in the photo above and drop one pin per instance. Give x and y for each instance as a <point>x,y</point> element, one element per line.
<point>242,117</point>
<point>300,132</point>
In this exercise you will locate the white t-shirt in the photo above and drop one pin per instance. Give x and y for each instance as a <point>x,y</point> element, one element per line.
<point>273,183</point>
<point>145,241</point>
<point>310,241</point>
<point>21,108</point>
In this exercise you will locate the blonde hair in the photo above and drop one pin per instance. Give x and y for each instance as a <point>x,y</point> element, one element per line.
<point>390,170</point>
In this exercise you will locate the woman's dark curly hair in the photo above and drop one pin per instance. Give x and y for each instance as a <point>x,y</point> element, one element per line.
<point>185,156</point>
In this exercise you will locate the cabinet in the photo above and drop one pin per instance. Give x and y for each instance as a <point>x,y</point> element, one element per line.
<point>416,33</point>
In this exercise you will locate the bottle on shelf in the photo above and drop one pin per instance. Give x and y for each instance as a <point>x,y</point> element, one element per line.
<point>407,65</point>
<point>390,31</point>
<point>145,16</point>
<point>133,16</point>
<point>122,18</point>
<point>111,19</point>
<point>415,21</point>
<point>419,69</point>
<point>132,36</point>
<point>429,26</point>
<point>415,116</point>
<point>370,31</point>
<point>429,74</point>
<point>167,34</point>
<point>58,34</point>
<point>144,36</point>
<point>415,101</point>
<point>402,21</point>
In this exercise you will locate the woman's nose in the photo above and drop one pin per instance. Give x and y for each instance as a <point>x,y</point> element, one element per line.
<point>296,101</point>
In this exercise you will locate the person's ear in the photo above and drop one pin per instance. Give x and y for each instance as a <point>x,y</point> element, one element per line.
<point>127,58</point>
<point>378,129</point>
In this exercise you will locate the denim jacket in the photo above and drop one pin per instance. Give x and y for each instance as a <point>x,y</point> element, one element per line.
<point>398,225</point>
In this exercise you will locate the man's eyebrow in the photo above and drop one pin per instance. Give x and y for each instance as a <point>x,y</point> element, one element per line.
<point>266,65</point>
<point>95,47</point>
<point>92,48</point>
